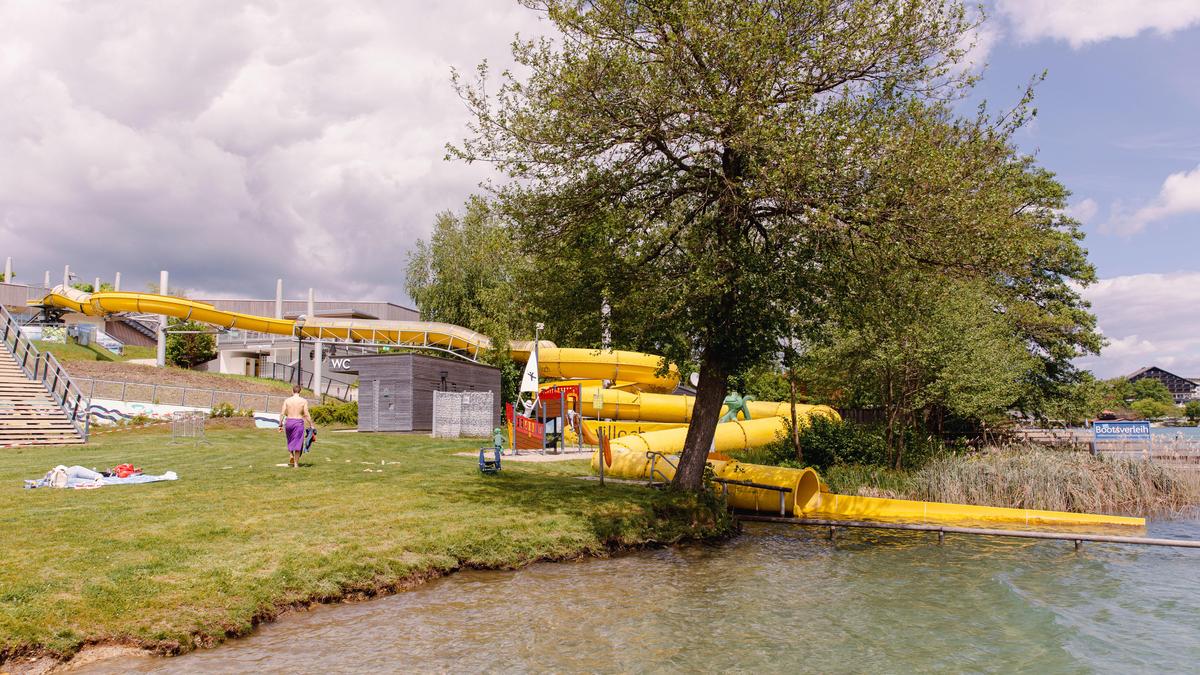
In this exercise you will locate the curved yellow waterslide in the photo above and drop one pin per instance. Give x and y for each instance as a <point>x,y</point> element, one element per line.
<point>652,455</point>
<point>633,455</point>
<point>553,361</point>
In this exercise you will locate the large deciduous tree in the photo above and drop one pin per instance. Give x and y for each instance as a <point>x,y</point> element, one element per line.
<point>710,160</point>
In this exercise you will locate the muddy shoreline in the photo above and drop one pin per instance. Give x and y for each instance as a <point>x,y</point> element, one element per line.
<point>42,661</point>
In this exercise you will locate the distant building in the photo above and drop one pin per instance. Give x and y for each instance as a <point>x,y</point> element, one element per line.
<point>1181,388</point>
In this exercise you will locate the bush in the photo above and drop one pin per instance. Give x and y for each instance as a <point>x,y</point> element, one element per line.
<point>222,410</point>
<point>827,443</point>
<point>191,348</point>
<point>335,413</point>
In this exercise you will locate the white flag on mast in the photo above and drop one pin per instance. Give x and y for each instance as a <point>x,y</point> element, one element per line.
<point>529,380</point>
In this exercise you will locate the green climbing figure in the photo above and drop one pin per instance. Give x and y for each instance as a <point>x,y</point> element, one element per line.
<point>734,404</point>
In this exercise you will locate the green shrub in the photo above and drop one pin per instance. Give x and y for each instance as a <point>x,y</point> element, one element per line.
<point>827,443</point>
<point>335,413</point>
<point>222,410</point>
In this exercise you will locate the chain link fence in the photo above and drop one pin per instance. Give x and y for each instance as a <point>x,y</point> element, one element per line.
<point>192,397</point>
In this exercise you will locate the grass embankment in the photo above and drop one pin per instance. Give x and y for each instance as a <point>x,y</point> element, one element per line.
<point>72,351</point>
<point>1034,478</point>
<point>175,377</point>
<point>175,565</point>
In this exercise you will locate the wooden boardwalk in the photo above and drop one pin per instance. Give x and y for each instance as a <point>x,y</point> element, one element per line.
<point>1169,448</point>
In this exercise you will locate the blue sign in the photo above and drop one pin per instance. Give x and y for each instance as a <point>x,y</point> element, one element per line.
<point>1121,431</point>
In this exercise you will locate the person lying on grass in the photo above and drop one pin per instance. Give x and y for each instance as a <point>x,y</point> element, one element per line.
<point>292,421</point>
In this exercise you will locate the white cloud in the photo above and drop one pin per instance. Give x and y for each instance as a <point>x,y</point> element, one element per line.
<point>1081,22</point>
<point>978,42</point>
<point>1180,193</point>
<point>1148,320</point>
<point>1083,211</point>
<point>234,141</point>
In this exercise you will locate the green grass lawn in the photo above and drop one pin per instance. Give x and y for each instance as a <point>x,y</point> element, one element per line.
<point>72,351</point>
<point>175,565</point>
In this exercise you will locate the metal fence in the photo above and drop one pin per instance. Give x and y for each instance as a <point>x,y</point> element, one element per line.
<point>333,388</point>
<point>191,397</point>
<point>45,368</point>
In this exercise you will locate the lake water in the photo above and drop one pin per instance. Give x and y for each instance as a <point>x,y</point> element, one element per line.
<point>777,598</point>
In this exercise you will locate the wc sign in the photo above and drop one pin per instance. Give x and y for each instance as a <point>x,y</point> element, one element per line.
<point>341,364</point>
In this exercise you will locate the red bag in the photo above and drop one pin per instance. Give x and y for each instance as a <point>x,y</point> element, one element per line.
<point>126,470</point>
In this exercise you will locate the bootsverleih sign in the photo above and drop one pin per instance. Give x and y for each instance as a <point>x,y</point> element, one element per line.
<point>1121,431</point>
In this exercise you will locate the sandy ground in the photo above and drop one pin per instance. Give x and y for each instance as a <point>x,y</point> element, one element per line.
<point>86,656</point>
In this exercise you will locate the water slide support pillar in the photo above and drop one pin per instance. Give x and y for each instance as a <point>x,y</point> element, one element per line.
<point>66,276</point>
<point>279,298</point>
<point>46,281</point>
<point>117,282</point>
<point>160,358</point>
<point>96,285</point>
<point>317,355</point>
<point>8,270</point>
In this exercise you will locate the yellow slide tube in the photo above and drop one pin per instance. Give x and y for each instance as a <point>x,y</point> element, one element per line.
<point>649,407</point>
<point>808,499</point>
<point>553,362</point>
<point>815,503</point>
<point>621,429</point>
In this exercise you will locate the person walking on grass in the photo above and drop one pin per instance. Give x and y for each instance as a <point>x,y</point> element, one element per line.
<point>292,421</point>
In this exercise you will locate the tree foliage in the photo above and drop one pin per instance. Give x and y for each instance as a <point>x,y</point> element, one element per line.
<point>190,343</point>
<point>722,167</point>
<point>1192,410</point>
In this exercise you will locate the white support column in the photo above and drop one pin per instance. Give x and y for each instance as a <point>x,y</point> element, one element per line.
<point>117,282</point>
<point>318,357</point>
<point>96,286</point>
<point>66,276</point>
<point>8,270</point>
<point>161,358</point>
<point>279,298</point>
<point>316,368</point>
<point>46,282</point>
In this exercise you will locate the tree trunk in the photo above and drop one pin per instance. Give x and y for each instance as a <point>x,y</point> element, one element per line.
<point>710,399</point>
<point>795,429</point>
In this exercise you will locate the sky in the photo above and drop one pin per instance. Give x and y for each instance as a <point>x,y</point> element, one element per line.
<point>235,142</point>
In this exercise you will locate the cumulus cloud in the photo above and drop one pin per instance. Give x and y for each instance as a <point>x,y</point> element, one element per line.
<point>1147,321</point>
<point>232,142</point>
<point>1180,194</point>
<point>1083,211</point>
<point>1081,22</point>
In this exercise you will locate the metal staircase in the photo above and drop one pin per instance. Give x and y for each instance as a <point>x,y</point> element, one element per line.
<point>39,405</point>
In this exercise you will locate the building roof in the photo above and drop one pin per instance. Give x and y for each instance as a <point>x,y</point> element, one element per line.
<point>1140,372</point>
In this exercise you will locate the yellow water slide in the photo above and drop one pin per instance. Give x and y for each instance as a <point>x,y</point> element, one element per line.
<point>553,361</point>
<point>625,401</point>
<point>655,453</point>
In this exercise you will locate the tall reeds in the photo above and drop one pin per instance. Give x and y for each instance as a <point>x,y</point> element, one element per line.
<point>1036,478</point>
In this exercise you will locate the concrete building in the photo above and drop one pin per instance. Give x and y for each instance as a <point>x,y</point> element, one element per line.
<point>1182,389</point>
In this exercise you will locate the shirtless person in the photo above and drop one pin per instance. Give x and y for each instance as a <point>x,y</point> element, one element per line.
<point>292,420</point>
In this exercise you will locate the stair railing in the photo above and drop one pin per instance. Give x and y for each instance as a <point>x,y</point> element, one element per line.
<point>46,369</point>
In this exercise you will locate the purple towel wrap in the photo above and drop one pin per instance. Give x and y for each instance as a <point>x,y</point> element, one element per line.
<point>294,430</point>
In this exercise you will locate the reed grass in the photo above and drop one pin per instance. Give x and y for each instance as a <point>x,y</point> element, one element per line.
<point>1036,478</point>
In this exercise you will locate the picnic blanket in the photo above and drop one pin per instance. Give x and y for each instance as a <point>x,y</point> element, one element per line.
<point>82,478</point>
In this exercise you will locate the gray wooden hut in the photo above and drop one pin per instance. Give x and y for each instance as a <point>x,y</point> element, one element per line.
<point>395,391</point>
